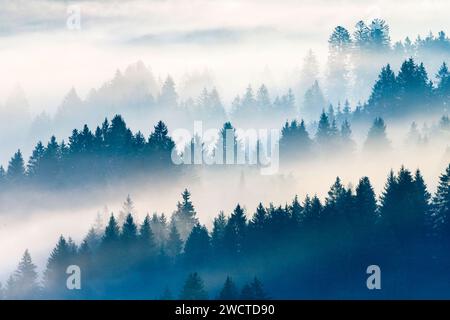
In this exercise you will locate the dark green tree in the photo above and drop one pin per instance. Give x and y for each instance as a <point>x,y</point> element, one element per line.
<point>174,243</point>
<point>185,216</point>
<point>197,250</point>
<point>16,168</point>
<point>229,290</point>
<point>193,288</point>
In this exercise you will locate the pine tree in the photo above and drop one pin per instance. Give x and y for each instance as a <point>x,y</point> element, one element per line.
<point>16,168</point>
<point>35,160</point>
<point>168,97</point>
<point>159,228</point>
<point>441,206</point>
<point>253,291</point>
<point>193,288</point>
<point>296,211</point>
<point>2,177</point>
<point>129,231</point>
<point>229,290</point>
<point>338,68</point>
<point>248,101</point>
<point>263,99</point>
<point>55,273</point>
<point>259,218</point>
<point>112,232</point>
<point>217,235</point>
<point>366,205</point>
<point>376,138</point>
<point>147,239</point>
<point>309,73</point>
<point>383,99</point>
<point>197,250</point>
<point>323,133</point>
<point>312,210</point>
<point>127,208</point>
<point>258,291</point>
<point>347,143</point>
<point>379,35</point>
<point>174,243</point>
<point>185,216</point>
<point>414,137</point>
<point>235,232</point>
<point>404,206</point>
<point>414,87</point>
<point>160,145</point>
<point>295,141</point>
<point>361,36</point>
<point>313,101</point>
<point>24,284</point>
<point>443,86</point>
<point>422,198</point>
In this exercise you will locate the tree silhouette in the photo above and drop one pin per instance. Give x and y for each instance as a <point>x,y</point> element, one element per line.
<point>23,284</point>
<point>229,290</point>
<point>193,288</point>
<point>197,250</point>
<point>16,168</point>
<point>376,138</point>
<point>185,216</point>
<point>174,243</point>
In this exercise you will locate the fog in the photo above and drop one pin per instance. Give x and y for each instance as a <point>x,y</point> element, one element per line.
<point>230,38</point>
<point>37,222</point>
<point>226,45</point>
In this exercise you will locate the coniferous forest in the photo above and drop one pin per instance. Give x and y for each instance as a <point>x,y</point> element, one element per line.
<point>316,249</point>
<point>329,179</point>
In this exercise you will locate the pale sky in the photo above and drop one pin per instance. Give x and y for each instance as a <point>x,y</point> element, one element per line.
<point>235,39</point>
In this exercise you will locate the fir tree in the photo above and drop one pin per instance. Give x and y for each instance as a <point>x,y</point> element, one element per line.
<point>24,284</point>
<point>16,168</point>
<point>185,216</point>
<point>235,232</point>
<point>441,206</point>
<point>229,290</point>
<point>377,138</point>
<point>174,243</point>
<point>193,288</point>
<point>197,250</point>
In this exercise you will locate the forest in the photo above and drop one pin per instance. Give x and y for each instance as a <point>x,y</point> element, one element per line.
<point>317,249</point>
<point>377,104</point>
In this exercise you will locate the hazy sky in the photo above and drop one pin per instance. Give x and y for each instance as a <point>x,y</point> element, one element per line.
<point>235,39</point>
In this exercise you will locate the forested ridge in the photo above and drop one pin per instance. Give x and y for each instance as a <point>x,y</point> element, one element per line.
<point>306,248</point>
<point>298,249</point>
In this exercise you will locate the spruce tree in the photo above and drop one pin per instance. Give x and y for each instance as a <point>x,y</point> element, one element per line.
<point>112,232</point>
<point>55,273</point>
<point>229,290</point>
<point>16,168</point>
<point>197,250</point>
<point>129,231</point>
<point>147,239</point>
<point>25,279</point>
<point>174,243</point>
<point>376,138</point>
<point>193,288</point>
<point>441,206</point>
<point>323,133</point>
<point>185,216</point>
<point>217,235</point>
<point>235,232</point>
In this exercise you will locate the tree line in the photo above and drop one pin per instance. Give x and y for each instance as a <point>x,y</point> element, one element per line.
<point>112,150</point>
<point>316,249</point>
